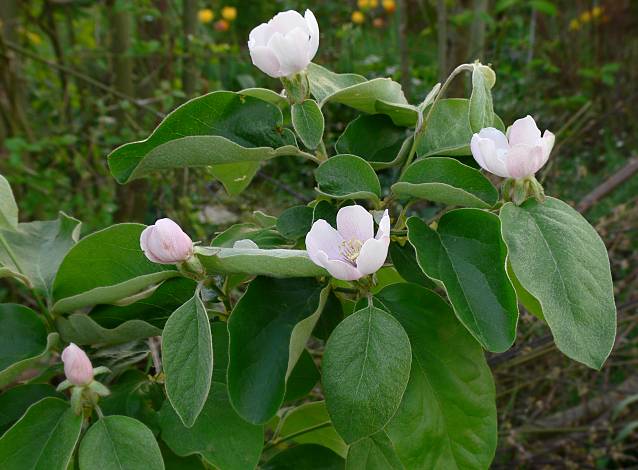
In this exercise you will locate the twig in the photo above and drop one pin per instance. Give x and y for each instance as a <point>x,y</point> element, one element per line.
<point>609,185</point>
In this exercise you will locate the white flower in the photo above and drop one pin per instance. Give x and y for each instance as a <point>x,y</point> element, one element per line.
<point>77,366</point>
<point>352,251</point>
<point>286,44</point>
<point>519,155</point>
<point>166,243</point>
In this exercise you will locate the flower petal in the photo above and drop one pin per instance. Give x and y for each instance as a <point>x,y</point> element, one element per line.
<point>548,144</point>
<point>313,27</point>
<point>286,21</point>
<point>492,133</point>
<point>260,35</point>
<point>372,255</point>
<point>524,160</point>
<point>265,60</point>
<point>384,226</point>
<point>323,237</point>
<point>355,223</point>
<point>291,50</point>
<point>524,131</point>
<point>493,159</point>
<point>339,269</point>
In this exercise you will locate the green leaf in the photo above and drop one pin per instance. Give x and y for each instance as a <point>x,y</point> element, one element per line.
<point>481,106</point>
<point>467,255</point>
<point>263,237</point>
<point>8,206</point>
<point>331,316</point>
<point>23,341</point>
<point>219,434</point>
<point>562,262</point>
<point>324,83</point>
<point>325,210</point>
<point>447,418</point>
<point>118,443</point>
<point>218,128</point>
<point>235,176</point>
<point>447,181</point>
<point>154,309</point>
<point>374,138</point>
<point>34,251</point>
<point>117,268</point>
<point>268,330</point>
<point>80,328</point>
<point>219,331</point>
<point>255,261</point>
<point>404,261</point>
<point>375,452</point>
<point>448,130</point>
<point>305,457</point>
<point>44,438</point>
<point>308,122</point>
<point>187,354</point>
<point>310,424</point>
<point>295,222</point>
<point>15,402</point>
<point>175,462</point>
<point>366,366</point>
<point>267,95</point>
<point>347,177</point>
<point>402,114</point>
<point>303,378</point>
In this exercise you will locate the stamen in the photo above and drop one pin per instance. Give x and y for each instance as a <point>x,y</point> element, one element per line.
<point>350,249</point>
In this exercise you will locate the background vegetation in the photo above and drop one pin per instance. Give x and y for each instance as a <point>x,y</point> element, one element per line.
<point>80,77</point>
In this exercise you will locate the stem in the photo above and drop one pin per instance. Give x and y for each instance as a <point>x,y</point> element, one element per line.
<point>297,434</point>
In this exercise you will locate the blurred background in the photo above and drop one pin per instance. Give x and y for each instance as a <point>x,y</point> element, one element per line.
<point>79,78</point>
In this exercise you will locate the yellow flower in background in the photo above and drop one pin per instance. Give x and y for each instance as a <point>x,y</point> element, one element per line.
<point>373,3</point>
<point>585,16</point>
<point>597,12</point>
<point>363,4</point>
<point>389,5</point>
<point>34,38</point>
<point>206,15</point>
<point>358,17</point>
<point>574,25</point>
<point>229,13</point>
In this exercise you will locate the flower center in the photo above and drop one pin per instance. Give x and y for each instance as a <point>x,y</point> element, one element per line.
<point>350,249</point>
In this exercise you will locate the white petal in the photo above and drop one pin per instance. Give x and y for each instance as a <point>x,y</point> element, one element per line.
<point>372,255</point>
<point>548,145</point>
<point>291,50</point>
<point>524,160</point>
<point>493,158</point>
<point>313,27</point>
<point>266,61</point>
<point>323,237</point>
<point>355,223</point>
<point>145,244</point>
<point>260,35</point>
<point>524,131</point>
<point>476,151</point>
<point>286,21</point>
<point>384,226</point>
<point>500,141</point>
<point>339,269</point>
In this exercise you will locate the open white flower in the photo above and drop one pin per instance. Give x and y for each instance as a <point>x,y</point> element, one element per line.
<point>352,251</point>
<point>286,44</point>
<point>518,155</point>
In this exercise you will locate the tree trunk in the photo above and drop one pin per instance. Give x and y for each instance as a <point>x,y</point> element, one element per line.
<point>189,24</point>
<point>477,36</point>
<point>441,37</point>
<point>406,81</point>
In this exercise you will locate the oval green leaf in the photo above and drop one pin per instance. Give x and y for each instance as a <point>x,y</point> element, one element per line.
<point>81,329</point>
<point>348,177</point>
<point>117,268</point>
<point>8,206</point>
<point>187,354</point>
<point>44,438</point>
<point>561,261</point>
<point>268,330</point>
<point>447,181</point>
<point>447,419</point>
<point>120,443</point>
<point>366,366</point>
<point>295,222</point>
<point>219,434</point>
<point>375,452</point>
<point>307,119</point>
<point>467,255</point>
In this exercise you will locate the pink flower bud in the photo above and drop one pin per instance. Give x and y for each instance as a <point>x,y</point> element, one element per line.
<point>166,243</point>
<point>77,365</point>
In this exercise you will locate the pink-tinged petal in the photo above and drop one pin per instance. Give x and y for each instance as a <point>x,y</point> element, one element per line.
<point>493,158</point>
<point>166,243</point>
<point>313,26</point>
<point>355,223</point>
<point>265,60</point>
<point>492,133</point>
<point>372,255</point>
<point>286,21</point>
<point>548,145</point>
<point>145,244</point>
<point>260,35</point>
<point>339,269</point>
<point>323,238</point>
<point>476,151</point>
<point>291,50</point>
<point>77,365</point>
<point>524,131</point>
<point>384,226</point>
<point>524,160</point>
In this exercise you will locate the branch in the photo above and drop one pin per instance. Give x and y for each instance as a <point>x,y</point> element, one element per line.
<point>609,185</point>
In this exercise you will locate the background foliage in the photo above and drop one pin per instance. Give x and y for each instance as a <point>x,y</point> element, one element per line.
<point>78,78</point>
